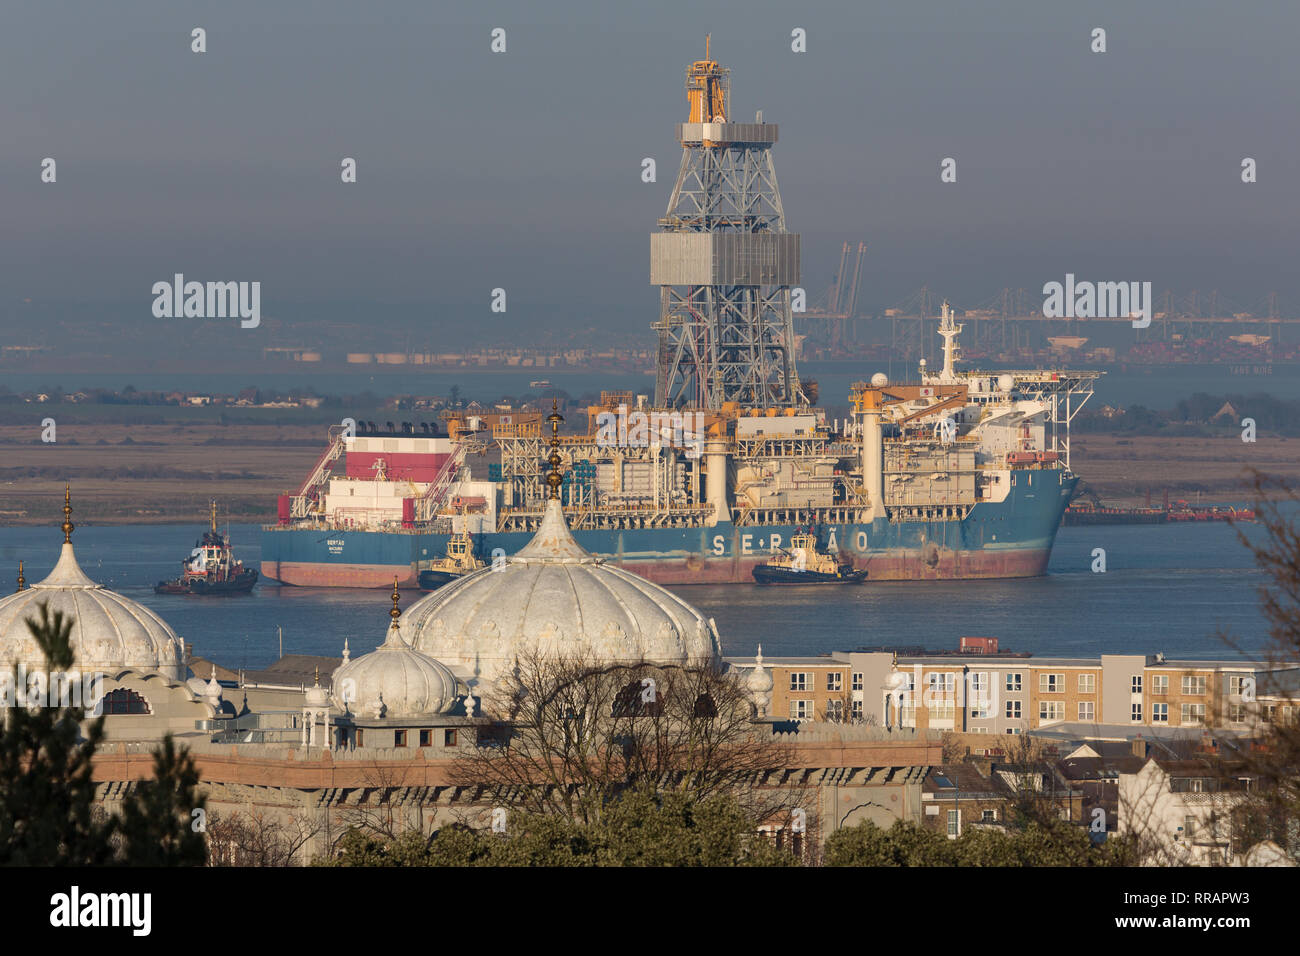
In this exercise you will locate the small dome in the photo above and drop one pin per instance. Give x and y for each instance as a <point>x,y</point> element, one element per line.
<point>316,696</point>
<point>556,598</point>
<point>760,678</point>
<point>395,680</point>
<point>109,632</point>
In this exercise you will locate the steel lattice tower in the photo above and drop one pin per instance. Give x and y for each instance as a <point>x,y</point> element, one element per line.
<point>724,263</point>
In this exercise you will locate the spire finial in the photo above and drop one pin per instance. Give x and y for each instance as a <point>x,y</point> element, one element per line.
<point>317,675</point>
<point>553,477</point>
<point>347,655</point>
<point>395,613</point>
<point>759,659</point>
<point>22,581</point>
<point>67,514</point>
<point>213,504</point>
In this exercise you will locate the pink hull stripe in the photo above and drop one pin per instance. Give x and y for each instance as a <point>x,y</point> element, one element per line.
<point>907,566</point>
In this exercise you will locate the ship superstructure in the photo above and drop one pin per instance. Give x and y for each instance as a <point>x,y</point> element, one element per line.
<point>955,474</point>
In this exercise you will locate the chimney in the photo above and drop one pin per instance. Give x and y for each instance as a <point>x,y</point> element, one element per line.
<point>1139,746</point>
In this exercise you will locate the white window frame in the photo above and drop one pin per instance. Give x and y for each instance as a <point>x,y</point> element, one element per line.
<point>857,680</point>
<point>1013,705</point>
<point>1048,710</point>
<point>834,681</point>
<point>1014,681</point>
<point>1087,710</point>
<point>1160,713</point>
<point>1051,683</point>
<point>1159,684</point>
<point>1190,684</point>
<point>1135,712</point>
<point>1087,683</point>
<point>799,680</point>
<point>1135,685</point>
<point>801,708</point>
<point>1193,715</point>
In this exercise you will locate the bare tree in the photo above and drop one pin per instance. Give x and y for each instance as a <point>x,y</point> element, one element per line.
<point>577,733</point>
<point>259,838</point>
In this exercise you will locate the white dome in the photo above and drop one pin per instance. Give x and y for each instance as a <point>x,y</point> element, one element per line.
<point>555,598</point>
<point>109,632</point>
<point>395,680</point>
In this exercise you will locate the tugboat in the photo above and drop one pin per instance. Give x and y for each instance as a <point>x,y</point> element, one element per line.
<point>804,564</point>
<point>211,568</point>
<point>460,561</point>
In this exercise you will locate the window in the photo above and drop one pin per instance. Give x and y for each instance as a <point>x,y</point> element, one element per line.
<point>1136,685</point>
<point>835,709</point>
<point>988,816</point>
<point>907,714</point>
<point>1013,709</point>
<point>399,738</point>
<point>981,709</point>
<point>857,680</point>
<point>1194,686</point>
<point>855,710</point>
<point>449,738</point>
<point>1236,712</point>
<point>1160,684</point>
<point>834,680</point>
<point>426,738</point>
<point>1189,828</point>
<point>123,701</point>
<point>1135,713</point>
<point>1051,683</point>
<point>943,710</point>
<point>361,737</point>
<point>1051,710</point>
<point>954,825</point>
<point>1159,713</point>
<point>801,710</point>
<point>1013,681</point>
<point>1193,714</point>
<point>798,681</point>
<point>941,683</point>
<point>1087,683</point>
<point>1086,710</point>
<point>1240,686</point>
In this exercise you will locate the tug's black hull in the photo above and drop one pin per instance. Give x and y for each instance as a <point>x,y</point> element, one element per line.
<point>240,584</point>
<point>766,574</point>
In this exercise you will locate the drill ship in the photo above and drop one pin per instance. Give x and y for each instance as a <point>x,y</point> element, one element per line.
<point>957,474</point>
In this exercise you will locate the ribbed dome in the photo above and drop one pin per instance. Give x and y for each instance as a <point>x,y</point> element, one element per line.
<point>109,632</point>
<point>556,598</point>
<point>395,680</point>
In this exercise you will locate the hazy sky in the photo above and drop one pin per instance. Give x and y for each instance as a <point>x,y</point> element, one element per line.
<point>522,170</point>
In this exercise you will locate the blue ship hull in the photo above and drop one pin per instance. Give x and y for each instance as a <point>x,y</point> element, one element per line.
<point>1010,538</point>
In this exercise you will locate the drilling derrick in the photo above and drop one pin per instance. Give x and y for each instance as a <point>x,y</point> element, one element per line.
<point>724,262</point>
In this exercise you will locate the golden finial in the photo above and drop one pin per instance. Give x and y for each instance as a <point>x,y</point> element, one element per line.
<point>553,477</point>
<point>317,675</point>
<point>213,503</point>
<point>67,514</point>
<point>22,581</point>
<point>395,613</point>
<point>895,661</point>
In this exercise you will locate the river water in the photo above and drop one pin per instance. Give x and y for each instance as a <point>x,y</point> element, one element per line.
<point>1168,589</point>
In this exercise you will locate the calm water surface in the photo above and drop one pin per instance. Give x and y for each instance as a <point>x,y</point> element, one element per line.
<point>1166,589</point>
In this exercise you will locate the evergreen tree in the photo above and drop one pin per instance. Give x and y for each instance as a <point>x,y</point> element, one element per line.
<point>48,812</point>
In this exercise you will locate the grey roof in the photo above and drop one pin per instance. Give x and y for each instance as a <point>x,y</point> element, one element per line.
<point>293,669</point>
